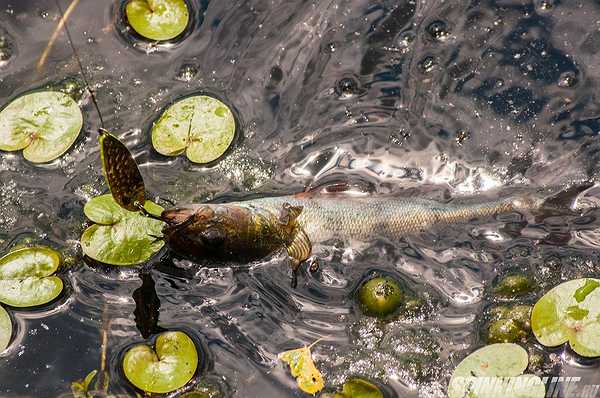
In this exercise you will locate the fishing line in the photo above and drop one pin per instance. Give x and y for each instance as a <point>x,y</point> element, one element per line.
<point>76,54</point>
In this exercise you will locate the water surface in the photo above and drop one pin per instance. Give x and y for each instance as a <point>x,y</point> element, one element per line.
<point>438,99</point>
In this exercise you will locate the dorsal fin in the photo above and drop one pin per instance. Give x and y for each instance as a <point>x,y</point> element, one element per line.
<point>178,215</point>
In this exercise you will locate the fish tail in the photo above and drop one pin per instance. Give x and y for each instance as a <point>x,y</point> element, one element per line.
<point>566,199</point>
<point>562,202</point>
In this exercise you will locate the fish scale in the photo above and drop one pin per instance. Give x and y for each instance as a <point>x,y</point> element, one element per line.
<point>350,218</point>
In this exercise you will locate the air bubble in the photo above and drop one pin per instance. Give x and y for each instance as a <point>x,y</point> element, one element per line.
<point>347,87</point>
<point>7,48</point>
<point>461,137</point>
<point>405,40</point>
<point>567,79</point>
<point>544,5</point>
<point>438,30</point>
<point>186,73</point>
<point>427,64</point>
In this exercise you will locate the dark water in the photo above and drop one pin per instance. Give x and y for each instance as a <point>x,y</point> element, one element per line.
<point>430,98</point>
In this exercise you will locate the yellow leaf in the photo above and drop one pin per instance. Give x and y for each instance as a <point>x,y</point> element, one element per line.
<point>303,368</point>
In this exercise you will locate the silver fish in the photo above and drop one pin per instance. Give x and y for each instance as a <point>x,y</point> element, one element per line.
<point>258,227</point>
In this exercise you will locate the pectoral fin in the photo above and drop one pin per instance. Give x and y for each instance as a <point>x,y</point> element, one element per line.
<point>289,214</point>
<point>300,248</point>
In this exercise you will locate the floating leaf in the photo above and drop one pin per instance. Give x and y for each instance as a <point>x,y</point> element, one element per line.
<point>26,278</point>
<point>495,371</point>
<point>44,124</point>
<point>81,388</point>
<point>303,368</point>
<point>5,329</point>
<point>170,367</point>
<point>158,19</point>
<point>202,127</point>
<point>356,388</point>
<point>121,172</point>
<point>120,237</point>
<point>570,312</point>
<point>380,296</point>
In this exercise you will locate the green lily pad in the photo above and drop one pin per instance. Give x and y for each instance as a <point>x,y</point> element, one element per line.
<point>380,296</point>
<point>5,329</point>
<point>44,124</point>
<point>201,126</point>
<point>495,371</point>
<point>171,366</point>
<point>119,236</point>
<point>158,19</point>
<point>570,312</point>
<point>357,388</point>
<point>26,278</point>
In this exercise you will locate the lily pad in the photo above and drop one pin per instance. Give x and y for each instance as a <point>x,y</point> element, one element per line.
<point>356,388</point>
<point>171,366</point>
<point>494,371</point>
<point>43,124</point>
<point>26,278</point>
<point>158,19</point>
<point>5,329</point>
<point>570,312</point>
<point>120,237</point>
<point>201,126</point>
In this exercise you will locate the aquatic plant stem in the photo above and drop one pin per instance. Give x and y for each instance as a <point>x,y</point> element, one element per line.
<point>103,378</point>
<point>61,23</point>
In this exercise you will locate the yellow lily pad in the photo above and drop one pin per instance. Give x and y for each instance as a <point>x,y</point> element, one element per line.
<point>495,371</point>
<point>5,329</point>
<point>158,19</point>
<point>43,124</point>
<point>171,366</point>
<point>201,126</point>
<point>570,312</point>
<point>26,277</point>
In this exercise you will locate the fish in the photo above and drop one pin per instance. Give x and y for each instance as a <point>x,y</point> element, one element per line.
<point>242,231</point>
<point>258,227</point>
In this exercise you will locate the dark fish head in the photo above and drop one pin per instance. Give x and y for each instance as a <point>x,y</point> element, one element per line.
<point>222,231</point>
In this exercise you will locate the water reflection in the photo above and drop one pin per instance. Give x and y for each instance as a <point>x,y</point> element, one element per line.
<point>430,99</point>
